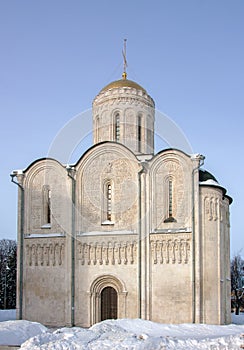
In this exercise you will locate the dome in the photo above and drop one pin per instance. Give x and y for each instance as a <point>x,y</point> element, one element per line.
<point>207,179</point>
<point>123,83</point>
<point>204,175</point>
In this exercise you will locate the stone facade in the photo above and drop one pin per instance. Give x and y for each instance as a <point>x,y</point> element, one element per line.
<point>123,232</point>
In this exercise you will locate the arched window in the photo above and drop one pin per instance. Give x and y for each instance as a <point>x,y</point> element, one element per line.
<point>150,140</point>
<point>139,132</point>
<point>170,217</point>
<point>97,129</point>
<point>117,128</point>
<point>46,205</point>
<point>170,189</point>
<point>109,201</point>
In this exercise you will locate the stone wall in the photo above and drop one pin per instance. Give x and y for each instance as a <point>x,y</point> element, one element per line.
<point>215,258</point>
<point>46,286</point>
<point>171,277</point>
<point>106,260</point>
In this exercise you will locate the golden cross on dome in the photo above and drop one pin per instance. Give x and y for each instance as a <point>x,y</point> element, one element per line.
<point>124,75</point>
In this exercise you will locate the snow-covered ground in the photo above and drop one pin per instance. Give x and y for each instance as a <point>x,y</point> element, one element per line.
<point>238,319</point>
<point>124,334</point>
<point>17,332</point>
<point>7,315</point>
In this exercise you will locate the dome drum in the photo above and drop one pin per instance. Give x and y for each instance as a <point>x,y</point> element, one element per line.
<point>123,112</point>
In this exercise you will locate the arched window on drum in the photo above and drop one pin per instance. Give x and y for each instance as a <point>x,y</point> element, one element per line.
<point>117,127</point>
<point>139,133</point>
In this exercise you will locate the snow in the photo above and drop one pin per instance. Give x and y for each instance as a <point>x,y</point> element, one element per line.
<point>44,235</point>
<point>106,233</point>
<point>210,182</point>
<point>135,334</point>
<point>17,332</point>
<point>6,315</point>
<point>238,319</point>
<point>174,230</point>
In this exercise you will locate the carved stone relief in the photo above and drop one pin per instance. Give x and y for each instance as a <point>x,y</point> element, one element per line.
<point>170,250</point>
<point>109,253</point>
<point>46,254</point>
<point>211,208</point>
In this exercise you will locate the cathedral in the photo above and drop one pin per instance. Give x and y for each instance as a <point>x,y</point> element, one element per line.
<point>123,232</point>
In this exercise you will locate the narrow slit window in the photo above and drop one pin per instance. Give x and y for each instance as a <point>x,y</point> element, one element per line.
<point>109,202</point>
<point>170,217</point>
<point>97,129</point>
<point>149,140</point>
<point>170,199</point>
<point>117,128</point>
<point>139,133</point>
<point>46,205</point>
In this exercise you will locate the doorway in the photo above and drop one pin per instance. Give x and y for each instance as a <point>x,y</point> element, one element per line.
<point>107,299</point>
<point>109,304</point>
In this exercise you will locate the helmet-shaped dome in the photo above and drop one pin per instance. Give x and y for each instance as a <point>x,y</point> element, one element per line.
<point>123,83</point>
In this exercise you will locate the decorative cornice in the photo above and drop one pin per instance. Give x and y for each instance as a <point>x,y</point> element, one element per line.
<point>123,95</point>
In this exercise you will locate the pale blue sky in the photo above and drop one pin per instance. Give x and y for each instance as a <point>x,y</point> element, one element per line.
<point>56,56</point>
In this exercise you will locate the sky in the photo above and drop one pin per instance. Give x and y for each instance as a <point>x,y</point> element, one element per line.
<point>57,55</point>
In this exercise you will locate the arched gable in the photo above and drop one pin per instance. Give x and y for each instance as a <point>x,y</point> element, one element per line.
<point>170,188</point>
<point>47,197</point>
<point>42,165</point>
<point>106,164</point>
<point>107,146</point>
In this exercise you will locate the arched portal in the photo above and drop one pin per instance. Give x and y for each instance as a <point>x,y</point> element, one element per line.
<point>107,299</point>
<point>109,303</point>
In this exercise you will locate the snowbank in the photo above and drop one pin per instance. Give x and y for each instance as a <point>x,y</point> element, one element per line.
<point>139,334</point>
<point>7,315</point>
<point>123,334</point>
<point>17,332</point>
<point>238,319</point>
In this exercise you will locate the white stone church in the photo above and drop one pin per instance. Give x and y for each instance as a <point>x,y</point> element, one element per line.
<point>124,232</point>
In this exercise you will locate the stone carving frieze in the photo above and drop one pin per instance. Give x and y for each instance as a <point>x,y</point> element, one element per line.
<point>109,253</point>
<point>123,95</point>
<point>46,254</point>
<point>170,250</point>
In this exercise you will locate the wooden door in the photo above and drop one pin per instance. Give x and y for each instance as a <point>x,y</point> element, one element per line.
<point>109,303</point>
